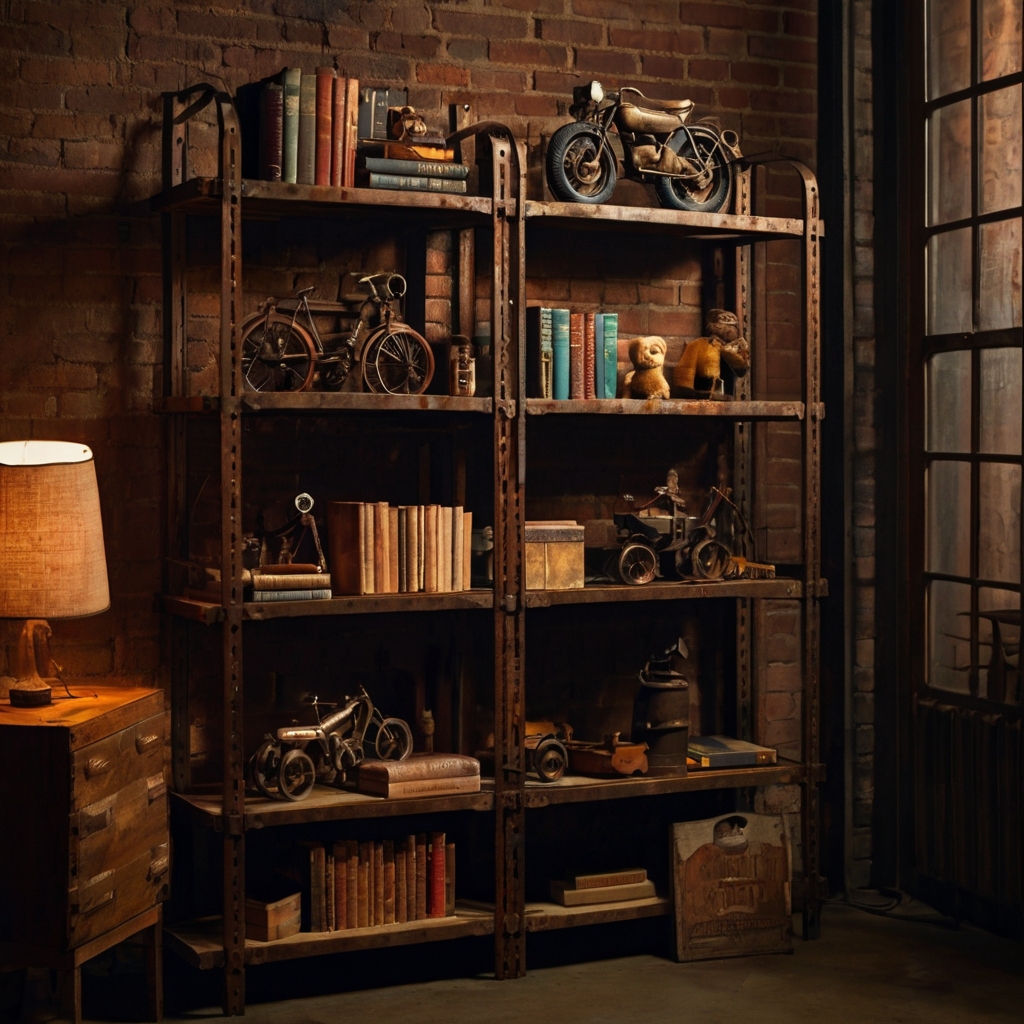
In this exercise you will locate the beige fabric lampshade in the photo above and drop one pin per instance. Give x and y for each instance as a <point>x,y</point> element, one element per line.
<point>52,563</point>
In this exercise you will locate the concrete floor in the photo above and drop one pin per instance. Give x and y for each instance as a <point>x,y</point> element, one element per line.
<point>865,968</point>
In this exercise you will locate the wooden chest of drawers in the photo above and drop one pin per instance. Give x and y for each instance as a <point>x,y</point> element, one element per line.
<point>83,810</point>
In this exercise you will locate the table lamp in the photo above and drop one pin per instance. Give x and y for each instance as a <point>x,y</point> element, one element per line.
<point>52,563</point>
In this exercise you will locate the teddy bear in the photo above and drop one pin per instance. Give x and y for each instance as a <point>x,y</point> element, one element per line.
<point>698,374</point>
<point>646,379</point>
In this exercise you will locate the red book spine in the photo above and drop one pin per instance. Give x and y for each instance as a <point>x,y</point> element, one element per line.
<point>324,107</point>
<point>589,366</point>
<point>338,132</point>
<point>437,873</point>
<point>576,344</point>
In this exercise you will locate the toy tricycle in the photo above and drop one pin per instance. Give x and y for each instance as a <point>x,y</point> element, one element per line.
<point>287,766</point>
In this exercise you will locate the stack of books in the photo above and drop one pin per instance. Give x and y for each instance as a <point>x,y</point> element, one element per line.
<point>571,355</point>
<point>353,884</point>
<point>417,175</point>
<point>725,752</point>
<point>376,548</point>
<point>608,887</point>
<point>419,775</point>
<point>309,128</point>
<point>290,583</point>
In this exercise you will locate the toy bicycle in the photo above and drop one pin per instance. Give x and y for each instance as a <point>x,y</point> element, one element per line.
<point>282,349</point>
<point>286,766</point>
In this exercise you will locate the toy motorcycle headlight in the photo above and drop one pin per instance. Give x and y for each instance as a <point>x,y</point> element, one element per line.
<point>596,92</point>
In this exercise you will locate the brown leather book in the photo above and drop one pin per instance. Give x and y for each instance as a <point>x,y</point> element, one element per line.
<point>340,854</point>
<point>392,550</point>
<point>389,881</point>
<point>421,877</point>
<point>366,547</point>
<point>449,880</point>
<point>324,116</point>
<point>444,550</point>
<point>381,555</point>
<point>365,857</point>
<point>576,346</point>
<point>419,766</point>
<point>345,544</point>
<point>458,544</point>
<point>306,168</point>
<point>328,891</point>
<point>435,904</point>
<point>337,130</point>
<point>352,882</point>
<point>401,900</point>
<point>421,787</point>
<point>378,883</point>
<point>589,355</point>
<point>403,549</point>
<point>430,535</point>
<point>410,878</point>
<point>351,132</point>
<point>271,131</point>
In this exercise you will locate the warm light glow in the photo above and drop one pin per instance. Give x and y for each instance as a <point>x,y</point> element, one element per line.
<point>42,453</point>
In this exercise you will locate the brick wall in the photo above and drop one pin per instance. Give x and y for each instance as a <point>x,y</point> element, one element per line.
<point>79,140</point>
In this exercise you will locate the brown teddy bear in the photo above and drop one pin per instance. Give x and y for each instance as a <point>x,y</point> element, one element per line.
<point>698,374</point>
<point>646,379</point>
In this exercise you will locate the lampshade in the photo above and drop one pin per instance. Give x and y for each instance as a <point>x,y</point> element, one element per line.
<point>52,563</point>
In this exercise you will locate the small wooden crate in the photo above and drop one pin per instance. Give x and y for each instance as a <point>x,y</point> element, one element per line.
<point>554,555</point>
<point>266,922</point>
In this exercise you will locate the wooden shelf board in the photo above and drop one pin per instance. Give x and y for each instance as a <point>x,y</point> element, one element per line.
<point>327,401</point>
<point>361,604</point>
<point>327,803</point>
<point>660,407</point>
<point>545,917</point>
<point>665,591</point>
<point>705,225</point>
<point>279,199</point>
<point>199,942</point>
<point>573,789</point>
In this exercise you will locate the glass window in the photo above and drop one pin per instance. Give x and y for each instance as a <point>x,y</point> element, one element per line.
<point>999,32</point>
<point>949,282</point>
<point>1000,149</point>
<point>948,402</point>
<point>949,163</point>
<point>949,55</point>
<point>999,645</point>
<point>949,635</point>
<point>999,284</point>
<point>949,518</point>
<point>998,522</point>
<point>1000,401</point>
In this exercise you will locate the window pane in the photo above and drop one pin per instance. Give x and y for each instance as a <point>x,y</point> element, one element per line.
<point>1000,150</point>
<point>949,163</point>
<point>949,46</point>
<point>1000,275</point>
<point>1000,401</point>
<point>999,670</point>
<point>949,636</point>
<point>949,282</point>
<point>949,518</point>
<point>999,525</point>
<point>948,402</point>
<point>1000,37</point>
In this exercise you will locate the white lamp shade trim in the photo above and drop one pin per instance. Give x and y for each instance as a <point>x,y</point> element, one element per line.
<point>42,453</point>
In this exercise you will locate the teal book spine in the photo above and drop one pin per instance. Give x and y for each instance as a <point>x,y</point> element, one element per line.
<point>560,353</point>
<point>320,594</point>
<point>290,133</point>
<point>417,183</point>
<point>611,354</point>
<point>599,356</point>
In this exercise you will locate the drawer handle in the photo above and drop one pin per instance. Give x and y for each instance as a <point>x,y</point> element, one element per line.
<point>144,743</point>
<point>158,865</point>
<point>157,787</point>
<point>97,766</point>
<point>91,821</point>
<point>103,900</point>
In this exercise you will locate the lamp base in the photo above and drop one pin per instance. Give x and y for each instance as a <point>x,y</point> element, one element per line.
<point>33,692</point>
<point>32,660</point>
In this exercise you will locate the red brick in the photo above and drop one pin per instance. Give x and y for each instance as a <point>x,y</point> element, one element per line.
<point>468,49</point>
<point>106,155</point>
<point>152,20</point>
<point>550,81</point>
<point>510,81</point>
<point>664,67</point>
<point>98,43</point>
<point>750,73</point>
<point>789,102</point>
<point>587,32</point>
<point>799,78</point>
<point>345,37</point>
<point>734,98</point>
<point>606,60</point>
<point>797,24</point>
<point>724,15</point>
<point>529,54</point>
<point>531,6</point>
<point>30,97</point>
<point>91,183</point>
<point>304,35</point>
<point>778,48</point>
<point>458,22</point>
<point>65,72</point>
<point>219,26</point>
<point>709,70</point>
<point>683,42</point>
<point>442,74</point>
<point>610,10</point>
<point>37,39</point>
<point>417,46</point>
<point>39,152</point>
<point>727,41</point>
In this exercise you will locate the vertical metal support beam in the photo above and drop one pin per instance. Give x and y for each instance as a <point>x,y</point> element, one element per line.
<point>508,318</point>
<point>812,553</point>
<point>231,558</point>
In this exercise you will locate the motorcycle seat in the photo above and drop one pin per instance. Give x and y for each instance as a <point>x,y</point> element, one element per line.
<point>661,106</point>
<point>653,122</point>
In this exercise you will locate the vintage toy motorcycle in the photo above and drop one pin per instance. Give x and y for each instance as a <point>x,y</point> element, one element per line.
<point>691,165</point>
<point>286,766</point>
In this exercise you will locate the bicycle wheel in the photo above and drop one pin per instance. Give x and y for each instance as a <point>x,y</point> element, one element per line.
<point>397,361</point>
<point>277,355</point>
<point>394,740</point>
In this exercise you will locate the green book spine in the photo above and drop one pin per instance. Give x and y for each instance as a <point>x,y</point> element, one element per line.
<point>424,168</point>
<point>306,164</point>
<point>559,353</point>
<point>599,356</point>
<point>611,354</point>
<point>417,183</point>
<point>538,352</point>
<point>290,148</point>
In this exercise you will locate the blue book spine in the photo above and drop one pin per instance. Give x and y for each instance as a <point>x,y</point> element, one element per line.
<point>611,354</point>
<point>560,353</point>
<point>599,356</point>
<point>323,594</point>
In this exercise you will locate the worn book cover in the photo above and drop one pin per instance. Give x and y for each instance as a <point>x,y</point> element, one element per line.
<point>340,854</point>
<point>601,894</point>
<point>392,550</point>
<point>367,548</point>
<point>352,880</point>
<point>458,545</point>
<point>271,131</point>
<point>338,115</point>
<point>421,876</point>
<point>731,886</point>
<point>611,354</point>
<point>606,878</point>
<point>431,515</point>
<point>560,358</point>
<point>419,766</point>
<point>401,904</point>
<point>435,907</point>
<point>576,356</point>
<point>539,352</point>
<point>345,545</point>
<point>324,119</point>
<point>449,879</point>
<point>389,881</point>
<point>403,547</point>
<point>410,878</point>
<point>418,168</point>
<point>416,183</point>
<point>292,78</point>
<point>381,549</point>
<point>589,361</point>
<point>328,890</point>
<point>444,550</point>
<point>599,356</point>
<point>726,752</point>
<point>306,165</point>
<point>420,787</point>
<point>365,900</point>
<point>467,550</point>
<point>378,883</point>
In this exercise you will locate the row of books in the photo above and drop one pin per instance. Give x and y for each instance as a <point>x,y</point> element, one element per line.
<point>309,128</point>
<point>571,355</point>
<point>377,548</point>
<point>352,884</point>
<point>608,887</point>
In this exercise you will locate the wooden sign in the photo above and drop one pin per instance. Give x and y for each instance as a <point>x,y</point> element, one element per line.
<point>731,886</point>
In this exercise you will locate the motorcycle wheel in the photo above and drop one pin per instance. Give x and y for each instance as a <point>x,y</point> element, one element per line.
<point>263,768</point>
<point>297,774</point>
<point>549,760</point>
<point>638,564</point>
<point>394,740</point>
<point>571,149</point>
<point>677,194</point>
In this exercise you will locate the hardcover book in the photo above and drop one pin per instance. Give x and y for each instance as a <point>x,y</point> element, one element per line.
<point>351,136</point>
<point>271,131</point>
<point>305,173</point>
<point>560,353</point>
<point>599,356</point>
<point>290,133</point>
<point>352,881</point>
<point>601,894</point>
<point>421,877</point>
<point>629,877</point>
<point>410,878</point>
<point>340,854</point>
<point>725,752</point>
<point>419,787</point>
<point>589,361</point>
<point>437,875</point>
<point>417,168</point>
<point>345,525</point>
<point>339,116</point>
<point>416,183</point>
<point>261,596</point>
<point>576,356</point>
<point>324,119</point>
<point>611,354</point>
<point>401,899</point>
<point>539,352</point>
<point>414,151</point>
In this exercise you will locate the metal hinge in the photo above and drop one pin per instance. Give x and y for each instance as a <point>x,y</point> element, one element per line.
<point>507,406</point>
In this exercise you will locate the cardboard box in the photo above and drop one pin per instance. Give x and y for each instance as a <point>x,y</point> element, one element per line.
<point>266,922</point>
<point>554,555</point>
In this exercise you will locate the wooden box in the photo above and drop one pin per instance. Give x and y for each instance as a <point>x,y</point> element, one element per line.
<point>266,922</point>
<point>554,555</point>
<point>85,808</point>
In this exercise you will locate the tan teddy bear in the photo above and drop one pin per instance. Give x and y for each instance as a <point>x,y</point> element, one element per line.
<point>646,379</point>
